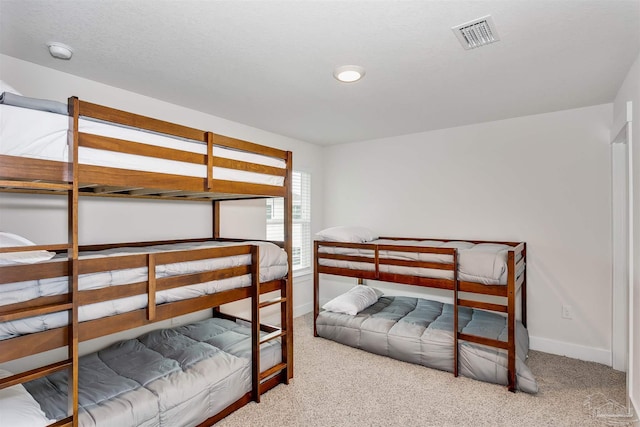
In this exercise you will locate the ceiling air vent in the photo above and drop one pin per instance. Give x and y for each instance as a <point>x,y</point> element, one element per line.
<point>476,33</point>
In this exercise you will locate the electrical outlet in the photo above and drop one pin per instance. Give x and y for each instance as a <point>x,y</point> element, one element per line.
<point>567,311</point>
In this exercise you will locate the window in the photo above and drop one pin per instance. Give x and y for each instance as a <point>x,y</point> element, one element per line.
<point>301,217</point>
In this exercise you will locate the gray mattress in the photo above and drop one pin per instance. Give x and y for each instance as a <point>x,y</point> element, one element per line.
<point>420,331</point>
<point>169,377</point>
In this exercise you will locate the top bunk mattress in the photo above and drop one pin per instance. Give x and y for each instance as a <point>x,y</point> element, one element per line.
<point>27,132</point>
<point>484,263</point>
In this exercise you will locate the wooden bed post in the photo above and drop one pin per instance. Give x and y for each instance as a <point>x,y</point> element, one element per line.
<point>316,287</point>
<point>455,313</point>
<point>523,289</point>
<point>287,316</point>
<point>216,219</point>
<point>255,323</point>
<point>72,229</point>
<point>209,137</point>
<point>511,319</point>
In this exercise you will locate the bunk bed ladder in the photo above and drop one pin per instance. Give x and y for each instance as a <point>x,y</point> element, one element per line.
<point>259,378</point>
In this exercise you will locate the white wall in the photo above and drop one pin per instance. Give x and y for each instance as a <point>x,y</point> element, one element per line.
<point>542,179</point>
<point>43,218</point>
<point>630,91</point>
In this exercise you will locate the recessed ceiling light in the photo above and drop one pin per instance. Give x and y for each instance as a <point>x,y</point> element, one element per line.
<point>349,73</point>
<point>60,50</point>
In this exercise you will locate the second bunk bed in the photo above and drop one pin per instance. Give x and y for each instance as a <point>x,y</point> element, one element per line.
<point>472,336</point>
<point>59,295</point>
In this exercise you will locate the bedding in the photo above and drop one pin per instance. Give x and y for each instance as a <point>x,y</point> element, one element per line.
<point>484,263</point>
<point>8,240</point>
<point>273,265</point>
<point>169,377</point>
<point>18,408</point>
<point>420,331</point>
<point>349,234</point>
<point>356,299</point>
<point>48,141</point>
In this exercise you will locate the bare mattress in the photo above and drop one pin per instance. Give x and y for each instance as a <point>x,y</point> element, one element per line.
<point>420,331</point>
<point>168,377</point>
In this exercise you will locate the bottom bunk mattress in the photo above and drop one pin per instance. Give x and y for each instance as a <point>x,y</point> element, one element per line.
<point>420,331</point>
<point>168,377</point>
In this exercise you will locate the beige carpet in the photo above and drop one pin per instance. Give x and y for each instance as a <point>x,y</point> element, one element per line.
<point>336,385</point>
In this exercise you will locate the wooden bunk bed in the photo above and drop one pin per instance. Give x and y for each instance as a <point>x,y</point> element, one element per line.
<point>74,179</point>
<point>430,263</point>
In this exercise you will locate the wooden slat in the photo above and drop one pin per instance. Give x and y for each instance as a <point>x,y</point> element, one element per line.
<point>34,248</point>
<point>27,345</point>
<point>111,292</point>
<point>143,179</point>
<point>322,244</point>
<point>34,374</point>
<point>222,162</point>
<point>352,258</point>
<point>277,368</point>
<point>109,325</point>
<point>274,301</point>
<point>204,253</point>
<point>33,169</point>
<point>20,273</point>
<point>120,262</point>
<point>134,120</point>
<point>479,288</point>
<point>237,187</point>
<point>484,341</point>
<point>250,147</point>
<point>272,336</point>
<point>141,244</point>
<point>195,278</point>
<point>132,178</point>
<point>362,274</point>
<point>519,281</point>
<point>501,242</point>
<point>122,146</point>
<point>34,311</point>
<point>428,282</point>
<point>483,305</point>
<point>417,264</point>
<point>416,249</point>
<point>36,302</point>
<point>110,190</point>
<point>34,185</point>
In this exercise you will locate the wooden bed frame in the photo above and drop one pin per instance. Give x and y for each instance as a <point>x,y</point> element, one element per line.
<point>74,180</point>
<point>516,261</point>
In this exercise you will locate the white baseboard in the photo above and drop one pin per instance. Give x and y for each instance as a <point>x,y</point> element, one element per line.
<point>575,351</point>
<point>303,309</point>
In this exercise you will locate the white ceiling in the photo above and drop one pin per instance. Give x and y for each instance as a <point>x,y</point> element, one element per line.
<point>269,64</point>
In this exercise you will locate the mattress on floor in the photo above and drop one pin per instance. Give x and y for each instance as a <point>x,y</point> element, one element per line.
<point>420,331</point>
<point>273,265</point>
<point>169,377</point>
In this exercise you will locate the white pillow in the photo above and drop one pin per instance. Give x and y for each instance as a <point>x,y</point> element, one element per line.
<point>354,301</point>
<point>18,408</point>
<point>4,87</point>
<point>8,240</point>
<point>349,234</point>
